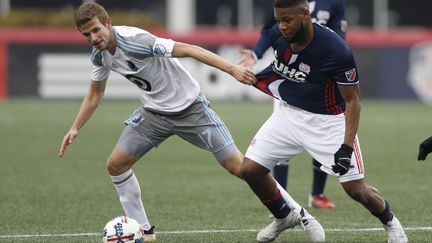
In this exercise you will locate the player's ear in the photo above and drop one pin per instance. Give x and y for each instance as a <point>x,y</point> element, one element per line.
<point>306,11</point>
<point>108,22</point>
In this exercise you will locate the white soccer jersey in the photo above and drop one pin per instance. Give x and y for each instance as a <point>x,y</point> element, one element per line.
<point>146,61</point>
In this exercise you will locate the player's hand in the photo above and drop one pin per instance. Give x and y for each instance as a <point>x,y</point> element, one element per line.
<point>248,59</point>
<point>243,75</point>
<point>424,149</point>
<point>68,139</point>
<point>342,159</point>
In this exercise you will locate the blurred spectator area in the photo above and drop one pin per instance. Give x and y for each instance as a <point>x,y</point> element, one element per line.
<point>391,39</point>
<point>221,13</point>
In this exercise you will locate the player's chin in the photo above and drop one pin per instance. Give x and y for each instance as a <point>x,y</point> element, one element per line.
<point>100,46</point>
<point>287,36</point>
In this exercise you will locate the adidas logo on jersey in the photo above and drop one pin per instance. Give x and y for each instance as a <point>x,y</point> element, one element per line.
<point>291,74</point>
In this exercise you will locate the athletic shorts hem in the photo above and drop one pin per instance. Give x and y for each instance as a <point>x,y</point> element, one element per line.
<point>355,177</point>
<point>225,152</point>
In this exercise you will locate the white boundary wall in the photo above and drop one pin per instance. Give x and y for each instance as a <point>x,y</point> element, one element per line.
<point>67,75</point>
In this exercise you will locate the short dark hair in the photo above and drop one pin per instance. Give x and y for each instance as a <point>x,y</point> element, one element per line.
<point>89,11</point>
<point>288,3</point>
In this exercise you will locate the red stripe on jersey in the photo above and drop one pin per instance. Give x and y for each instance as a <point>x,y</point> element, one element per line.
<point>335,105</point>
<point>358,157</point>
<point>263,84</point>
<point>330,98</point>
<point>287,56</point>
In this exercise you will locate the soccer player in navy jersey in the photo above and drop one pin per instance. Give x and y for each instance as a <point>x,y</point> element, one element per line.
<point>330,13</point>
<point>315,77</point>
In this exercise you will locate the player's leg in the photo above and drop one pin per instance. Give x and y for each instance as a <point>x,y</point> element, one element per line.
<point>130,147</point>
<point>355,186</point>
<point>373,201</point>
<point>119,167</point>
<point>317,199</point>
<point>312,228</point>
<point>280,173</point>
<point>287,213</point>
<point>323,150</point>
<point>263,185</point>
<point>231,163</point>
<point>281,169</point>
<point>202,127</point>
<point>140,136</point>
<point>269,146</point>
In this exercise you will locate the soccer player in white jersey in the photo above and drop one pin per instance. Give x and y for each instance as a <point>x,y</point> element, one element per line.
<point>172,103</point>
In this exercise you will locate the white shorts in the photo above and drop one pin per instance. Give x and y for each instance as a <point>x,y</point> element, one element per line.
<point>290,131</point>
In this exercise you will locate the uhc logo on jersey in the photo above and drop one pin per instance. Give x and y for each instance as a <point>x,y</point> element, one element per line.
<point>351,75</point>
<point>291,74</point>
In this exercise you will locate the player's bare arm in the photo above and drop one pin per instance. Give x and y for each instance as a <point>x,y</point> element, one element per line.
<point>351,95</point>
<point>88,106</point>
<point>342,157</point>
<point>242,74</point>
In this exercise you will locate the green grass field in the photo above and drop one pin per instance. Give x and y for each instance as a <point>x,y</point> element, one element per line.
<point>187,195</point>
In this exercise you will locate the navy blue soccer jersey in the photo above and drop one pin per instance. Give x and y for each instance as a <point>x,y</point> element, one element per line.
<point>330,13</point>
<point>309,79</point>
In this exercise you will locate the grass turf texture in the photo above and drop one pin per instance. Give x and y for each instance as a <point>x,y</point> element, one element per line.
<point>183,188</point>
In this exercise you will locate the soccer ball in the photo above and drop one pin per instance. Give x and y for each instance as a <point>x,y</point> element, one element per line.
<point>123,230</point>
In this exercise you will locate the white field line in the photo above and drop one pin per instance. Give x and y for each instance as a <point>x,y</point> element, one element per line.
<point>420,228</point>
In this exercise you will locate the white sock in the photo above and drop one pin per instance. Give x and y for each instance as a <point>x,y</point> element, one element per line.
<point>129,193</point>
<point>288,199</point>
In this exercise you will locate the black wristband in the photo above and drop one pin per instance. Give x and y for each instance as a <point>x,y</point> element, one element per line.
<point>346,148</point>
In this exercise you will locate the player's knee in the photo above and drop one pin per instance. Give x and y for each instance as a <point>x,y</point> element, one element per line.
<point>112,167</point>
<point>357,190</point>
<point>358,194</point>
<point>116,167</point>
<point>119,162</point>
<point>246,173</point>
<point>232,165</point>
<point>374,190</point>
<point>249,170</point>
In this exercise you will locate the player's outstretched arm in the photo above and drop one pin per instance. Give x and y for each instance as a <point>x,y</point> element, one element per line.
<point>242,74</point>
<point>424,149</point>
<point>88,106</point>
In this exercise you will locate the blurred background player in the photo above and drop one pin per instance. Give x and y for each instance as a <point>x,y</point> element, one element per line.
<point>330,13</point>
<point>424,149</point>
